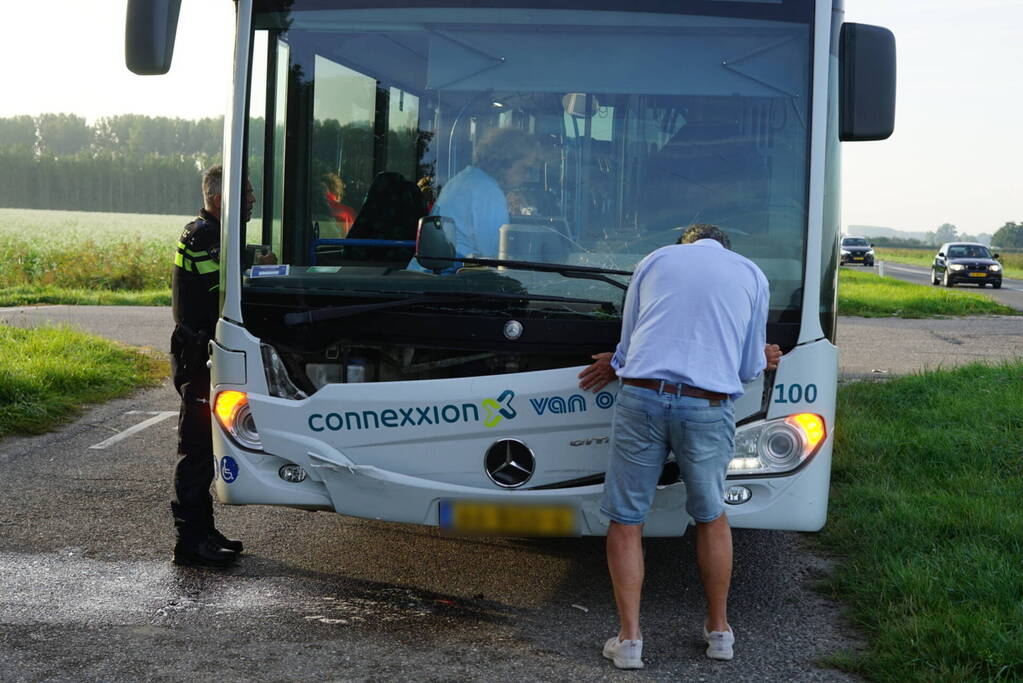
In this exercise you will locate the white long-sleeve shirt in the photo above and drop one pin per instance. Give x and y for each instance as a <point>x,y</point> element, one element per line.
<point>478,206</point>
<point>696,314</point>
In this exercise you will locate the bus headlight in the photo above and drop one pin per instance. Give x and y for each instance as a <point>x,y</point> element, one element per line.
<point>776,446</point>
<point>235,416</point>
<point>277,380</point>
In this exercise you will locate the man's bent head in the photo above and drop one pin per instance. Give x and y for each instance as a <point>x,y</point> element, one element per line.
<point>705,231</point>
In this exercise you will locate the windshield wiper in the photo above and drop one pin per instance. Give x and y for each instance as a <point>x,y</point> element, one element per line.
<point>581,272</point>
<point>335,312</point>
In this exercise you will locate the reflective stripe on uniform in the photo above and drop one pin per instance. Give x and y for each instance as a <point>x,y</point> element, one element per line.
<point>196,254</point>
<point>206,266</point>
<point>195,261</point>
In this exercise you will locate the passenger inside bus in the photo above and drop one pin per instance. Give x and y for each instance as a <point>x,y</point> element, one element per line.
<point>343,215</point>
<point>392,211</point>
<point>475,197</point>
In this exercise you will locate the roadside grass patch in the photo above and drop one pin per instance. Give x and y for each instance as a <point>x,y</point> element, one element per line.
<point>28,295</point>
<point>1011,262</point>
<point>865,294</point>
<point>47,373</point>
<point>926,520</point>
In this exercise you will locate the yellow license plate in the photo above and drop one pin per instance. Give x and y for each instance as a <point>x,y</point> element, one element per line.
<point>978,274</point>
<point>504,519</point>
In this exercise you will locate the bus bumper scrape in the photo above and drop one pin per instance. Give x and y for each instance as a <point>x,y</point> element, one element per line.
<point>336,483</point>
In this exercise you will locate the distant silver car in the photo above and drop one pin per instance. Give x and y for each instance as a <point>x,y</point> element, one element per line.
<point>857,250</point>
<point>958,262</point>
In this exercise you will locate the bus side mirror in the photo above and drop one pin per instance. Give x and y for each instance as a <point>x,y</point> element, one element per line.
<point>435,243</point>
<point>149,35</point>
<point>866,57</point>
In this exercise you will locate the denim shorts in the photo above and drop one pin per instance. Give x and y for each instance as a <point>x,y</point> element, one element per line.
<point>647,425</point>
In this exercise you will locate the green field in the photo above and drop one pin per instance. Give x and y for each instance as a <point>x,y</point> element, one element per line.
<point>1012,263</point>
<point>79,250</point>
<point>73,257</point>
<point>864,294</point>
<point>926,524</point>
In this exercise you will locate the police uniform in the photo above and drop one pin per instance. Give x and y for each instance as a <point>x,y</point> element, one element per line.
<point>195,289</point>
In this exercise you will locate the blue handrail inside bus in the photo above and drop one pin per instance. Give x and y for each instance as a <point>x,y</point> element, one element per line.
<point>358,243</point>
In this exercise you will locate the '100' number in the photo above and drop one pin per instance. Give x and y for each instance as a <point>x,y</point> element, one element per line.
<point>794,393</point>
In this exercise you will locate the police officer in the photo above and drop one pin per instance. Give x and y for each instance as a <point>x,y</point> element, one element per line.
<point>196,305</point>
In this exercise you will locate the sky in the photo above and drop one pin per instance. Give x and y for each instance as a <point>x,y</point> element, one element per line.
<point>955,156</point>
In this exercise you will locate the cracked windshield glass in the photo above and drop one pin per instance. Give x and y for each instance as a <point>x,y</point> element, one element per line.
<point>543,172</point>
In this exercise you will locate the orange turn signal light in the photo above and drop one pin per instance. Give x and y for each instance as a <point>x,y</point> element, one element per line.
<point>811,425</point>
<point>227,404</point>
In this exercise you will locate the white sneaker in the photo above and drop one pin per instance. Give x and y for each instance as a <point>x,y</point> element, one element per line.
<point>719,643</point>
<point>624,653</point>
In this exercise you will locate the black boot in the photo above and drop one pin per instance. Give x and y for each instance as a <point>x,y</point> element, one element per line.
<point>226,542</point>
<point>204,553</point>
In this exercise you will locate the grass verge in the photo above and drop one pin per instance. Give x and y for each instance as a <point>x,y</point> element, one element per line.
<point>31,294</point>
<point>1011,262</point>
<point>47,373</point>
<point>925,516</point>
<point>870,296</point>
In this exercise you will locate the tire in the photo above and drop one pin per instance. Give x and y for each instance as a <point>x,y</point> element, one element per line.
<point>934,277</point>
<point>996,285</point>
<point>947,281</point>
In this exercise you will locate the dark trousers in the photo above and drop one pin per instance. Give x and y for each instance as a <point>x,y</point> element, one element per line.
<point>192,506</point>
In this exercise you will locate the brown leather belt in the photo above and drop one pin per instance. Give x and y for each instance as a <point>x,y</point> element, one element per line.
<point>674,388</point>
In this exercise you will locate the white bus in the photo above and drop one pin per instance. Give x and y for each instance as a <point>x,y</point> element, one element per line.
<point>385,378</point>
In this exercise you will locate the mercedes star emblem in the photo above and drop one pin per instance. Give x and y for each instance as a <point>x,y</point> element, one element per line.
<point>513,329</point>
<point>509,463</point>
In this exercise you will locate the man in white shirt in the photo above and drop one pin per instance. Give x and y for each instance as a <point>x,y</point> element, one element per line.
<point>475,197</point>
<point>693,332</point>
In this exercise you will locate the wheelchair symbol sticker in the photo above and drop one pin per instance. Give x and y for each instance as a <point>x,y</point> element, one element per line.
<point>228,469</point>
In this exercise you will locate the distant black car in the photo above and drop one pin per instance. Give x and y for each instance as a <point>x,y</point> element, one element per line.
<point>857,250</point>
<point>966,262</point>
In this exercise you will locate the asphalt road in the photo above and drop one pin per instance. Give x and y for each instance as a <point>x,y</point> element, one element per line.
<point>87,591</point>
<point>1010,294</point>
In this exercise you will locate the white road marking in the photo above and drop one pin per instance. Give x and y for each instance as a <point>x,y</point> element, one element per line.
<point>924,272</point>
<point>911,269</point>
<point>158,416</point>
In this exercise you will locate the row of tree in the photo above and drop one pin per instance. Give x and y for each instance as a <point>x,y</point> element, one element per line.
<point>81,183</point>
<point>1009,236</point>
<point>128,136</point>
<point>946,232</point>
<point>127,163</point>
<point>142,164</point>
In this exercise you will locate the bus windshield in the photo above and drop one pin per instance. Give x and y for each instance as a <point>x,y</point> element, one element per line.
<point>558,146</point>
